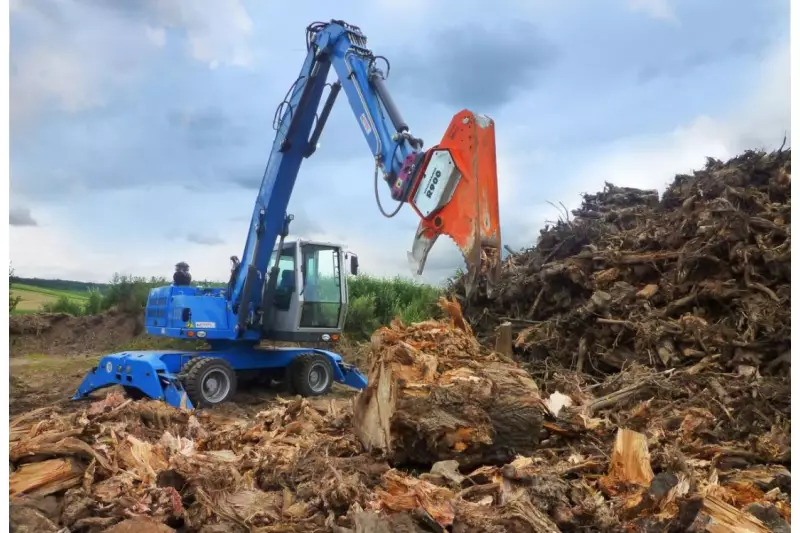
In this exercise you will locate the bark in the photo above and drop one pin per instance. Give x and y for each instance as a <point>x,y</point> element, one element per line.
<point>429,401</point>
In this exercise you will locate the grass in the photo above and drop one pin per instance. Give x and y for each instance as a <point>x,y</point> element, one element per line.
<point>34,299</point>
<point>75,295</point>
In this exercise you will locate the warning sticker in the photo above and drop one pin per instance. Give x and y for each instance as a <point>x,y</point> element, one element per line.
<point>365,123</point>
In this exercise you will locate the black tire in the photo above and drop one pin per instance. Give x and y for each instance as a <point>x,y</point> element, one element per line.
<point>134,394</point>
<point>311,374</point>
<point>206,368</point>
<point>185,369</point>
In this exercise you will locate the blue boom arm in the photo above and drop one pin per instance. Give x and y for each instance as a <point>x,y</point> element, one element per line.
<point>342,46</point>
<point>452,186</point>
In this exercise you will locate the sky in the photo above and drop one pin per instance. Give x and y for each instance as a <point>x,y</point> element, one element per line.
<point>140,129</point>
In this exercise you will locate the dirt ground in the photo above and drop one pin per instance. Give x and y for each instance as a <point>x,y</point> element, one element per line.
<point>65,335</point>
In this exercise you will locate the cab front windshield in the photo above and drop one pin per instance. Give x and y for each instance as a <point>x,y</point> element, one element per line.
<point>321,291</point>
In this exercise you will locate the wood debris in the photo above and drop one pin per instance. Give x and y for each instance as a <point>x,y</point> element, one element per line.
<point>47,477</point>
<point>435,394</point>
<point>702,272</point>
<point>646,398</point>
<point>652,456</point>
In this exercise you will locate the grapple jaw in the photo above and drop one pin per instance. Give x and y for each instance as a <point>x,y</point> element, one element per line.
<point>455,194</point>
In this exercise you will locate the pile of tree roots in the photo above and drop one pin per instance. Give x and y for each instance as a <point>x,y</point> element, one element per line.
<point>702,273</point>
<point>628,375</point>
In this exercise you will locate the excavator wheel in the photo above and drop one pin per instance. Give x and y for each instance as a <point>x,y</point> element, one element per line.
<point>185,369</point>
<point>210,381</point>
<point>311,374</point>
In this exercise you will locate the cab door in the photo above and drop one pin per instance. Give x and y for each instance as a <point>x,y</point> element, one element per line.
<point>322,288</point>
<point>284,310</point>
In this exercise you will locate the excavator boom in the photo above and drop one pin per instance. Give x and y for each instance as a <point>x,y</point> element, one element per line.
<point>451,186</point>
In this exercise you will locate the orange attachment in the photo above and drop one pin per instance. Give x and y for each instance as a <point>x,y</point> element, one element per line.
<point>456,195</point>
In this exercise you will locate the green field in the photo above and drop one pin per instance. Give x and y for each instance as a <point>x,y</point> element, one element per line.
<point>33,298</point>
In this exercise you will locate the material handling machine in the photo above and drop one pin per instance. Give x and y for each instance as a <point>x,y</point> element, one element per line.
<point>296,291</point>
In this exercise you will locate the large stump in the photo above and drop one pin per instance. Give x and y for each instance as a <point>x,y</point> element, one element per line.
<point>435,394</point>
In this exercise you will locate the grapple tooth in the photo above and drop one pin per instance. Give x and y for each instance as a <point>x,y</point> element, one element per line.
<point>456,195</point>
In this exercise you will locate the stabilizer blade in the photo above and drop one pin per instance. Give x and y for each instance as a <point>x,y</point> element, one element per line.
<point>456,195</point>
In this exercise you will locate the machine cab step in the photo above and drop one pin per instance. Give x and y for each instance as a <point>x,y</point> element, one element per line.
<point>309,303</point>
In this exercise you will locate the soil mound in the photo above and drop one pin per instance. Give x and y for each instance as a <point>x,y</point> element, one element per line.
<point>702,273</point>
<point>55,333</point>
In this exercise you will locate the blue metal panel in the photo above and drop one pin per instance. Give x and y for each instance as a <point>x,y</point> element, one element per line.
<point>209,313</point>
<point>352,69</point>
<point>155,373</point>
<point>147,371</point>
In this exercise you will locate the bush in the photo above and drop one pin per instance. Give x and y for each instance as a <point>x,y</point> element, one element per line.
<point>94,304</point>
<point>129,293</point>
<point>64,305</point>
<point>376,301</point>
<point>13,301</point>
<point>361,318</point>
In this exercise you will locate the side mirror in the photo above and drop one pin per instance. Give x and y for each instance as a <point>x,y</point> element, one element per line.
<point>354,265</point>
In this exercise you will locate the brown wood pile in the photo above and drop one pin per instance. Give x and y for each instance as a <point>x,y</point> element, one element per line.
<point>642,450</point>
<point>702,273</point>
<point>435,394</point>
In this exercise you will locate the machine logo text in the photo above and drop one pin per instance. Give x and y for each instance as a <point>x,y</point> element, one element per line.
<point>433,182</point>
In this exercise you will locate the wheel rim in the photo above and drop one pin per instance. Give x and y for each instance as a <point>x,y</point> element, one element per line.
<point>215,386</point>
<point>318,377</point>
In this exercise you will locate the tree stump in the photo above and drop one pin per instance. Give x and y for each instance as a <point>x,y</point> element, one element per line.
<point>435,394</point>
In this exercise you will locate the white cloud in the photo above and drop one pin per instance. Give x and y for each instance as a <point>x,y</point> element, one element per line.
<point>47,73</point>
<point>76,67</point>
<point>758,121</point>
<point>55,251</point>
<point>220,35</point>
<point>659,9</point>
<point>52,253</point>
<point>156,36</point>
<point>218,31</point>
<point>65,67</point>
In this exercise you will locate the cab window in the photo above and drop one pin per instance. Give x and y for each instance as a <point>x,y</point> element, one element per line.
<point>322,294</point>
<point>287,283</point>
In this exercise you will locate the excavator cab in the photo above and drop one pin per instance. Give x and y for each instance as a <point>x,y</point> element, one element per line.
<point>309,303</point>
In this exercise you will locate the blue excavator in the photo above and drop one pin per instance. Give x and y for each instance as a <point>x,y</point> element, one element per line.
<point>296,291</point>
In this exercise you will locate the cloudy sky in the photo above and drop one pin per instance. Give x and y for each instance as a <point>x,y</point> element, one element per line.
<point>140,128</point>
